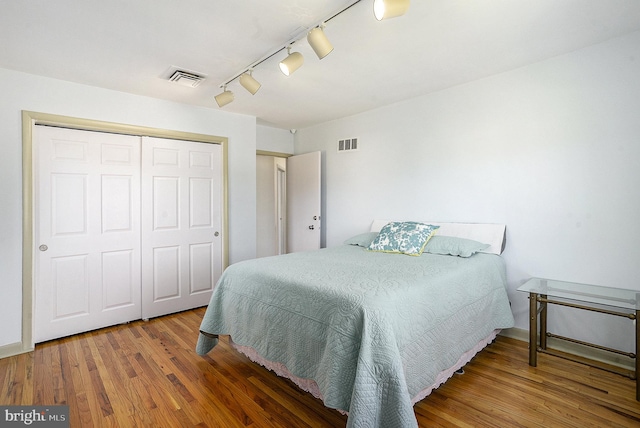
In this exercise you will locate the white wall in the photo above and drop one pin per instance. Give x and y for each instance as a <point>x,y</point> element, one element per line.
<point>22,91</point>
<point>274,140</point>
<point>552,150</point>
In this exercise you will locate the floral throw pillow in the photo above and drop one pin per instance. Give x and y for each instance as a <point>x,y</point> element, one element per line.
<point>407,237</point>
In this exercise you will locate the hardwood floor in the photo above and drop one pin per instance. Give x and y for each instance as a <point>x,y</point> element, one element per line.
<point>147,374</point>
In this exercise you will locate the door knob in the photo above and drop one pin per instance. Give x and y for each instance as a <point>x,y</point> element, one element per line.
<point>216,234</point>
<point>43,248</point>
<point>311,227</point>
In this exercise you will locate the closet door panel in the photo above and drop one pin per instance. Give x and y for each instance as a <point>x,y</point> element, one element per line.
<point>119,285</point>
<point>181,224</point>
<point>87,231</point>
<point>165,193</point>
<point>117,194</point>
<point>166,273</point>
<point>69,287</point>
<point>201,267</point>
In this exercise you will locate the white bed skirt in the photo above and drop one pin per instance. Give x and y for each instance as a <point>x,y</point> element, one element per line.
<point>311,387</point>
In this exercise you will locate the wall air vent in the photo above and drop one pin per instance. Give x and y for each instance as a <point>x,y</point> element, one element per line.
<point>348,145</point>
<point>186,78</point>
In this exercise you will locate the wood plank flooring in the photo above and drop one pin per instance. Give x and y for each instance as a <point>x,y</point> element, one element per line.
<point>146,374</point>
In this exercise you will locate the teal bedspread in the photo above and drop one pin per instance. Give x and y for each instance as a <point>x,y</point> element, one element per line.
<point>371,329</point>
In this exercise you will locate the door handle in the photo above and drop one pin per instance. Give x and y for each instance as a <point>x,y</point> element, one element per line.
<point>43,247</point>
<point>311,227</point>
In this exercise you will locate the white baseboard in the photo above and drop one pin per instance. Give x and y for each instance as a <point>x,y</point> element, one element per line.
<point>576,349</point>
<point>13,349</point>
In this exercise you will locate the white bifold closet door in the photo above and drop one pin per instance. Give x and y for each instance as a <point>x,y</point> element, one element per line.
<point>125,228</point>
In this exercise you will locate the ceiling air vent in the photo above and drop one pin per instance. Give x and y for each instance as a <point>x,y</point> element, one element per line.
<point>186,78</point>
<point>348,145</point>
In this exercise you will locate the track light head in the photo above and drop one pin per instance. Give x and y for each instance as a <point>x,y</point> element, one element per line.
<point>319,42</point>
<point>224,98</point>
<point>291,63</point>
<point>249,83</point>
<point>385,9</point>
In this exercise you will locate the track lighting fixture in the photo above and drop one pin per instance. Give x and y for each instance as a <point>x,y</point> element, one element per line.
<point>319,42</point>
<point>249,83</point>
<point>385,9</point>
<point>382,9</point>
<point>225,97</point>
<point>291,63</point>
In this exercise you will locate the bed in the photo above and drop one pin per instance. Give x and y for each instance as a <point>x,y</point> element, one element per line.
<point>367,330</point>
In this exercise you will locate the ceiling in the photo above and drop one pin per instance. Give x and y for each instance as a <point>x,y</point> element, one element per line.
<point>132,45</point>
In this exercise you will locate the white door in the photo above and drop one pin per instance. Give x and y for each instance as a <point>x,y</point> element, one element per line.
<point>87,231</point>
<point>182,224</point>
<point>303,202</point>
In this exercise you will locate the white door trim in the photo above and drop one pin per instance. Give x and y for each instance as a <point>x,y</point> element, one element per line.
<point>29,119</point>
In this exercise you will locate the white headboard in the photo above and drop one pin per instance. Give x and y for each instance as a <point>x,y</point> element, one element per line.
<point>487,233</point>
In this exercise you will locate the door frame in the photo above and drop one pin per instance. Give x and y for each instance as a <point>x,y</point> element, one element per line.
<point>29,120</point>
